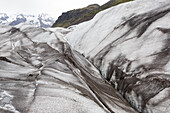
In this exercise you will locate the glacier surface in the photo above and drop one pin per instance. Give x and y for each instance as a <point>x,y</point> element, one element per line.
<point>129,45</point>
<point>40,73</point>
<point>117,62</point>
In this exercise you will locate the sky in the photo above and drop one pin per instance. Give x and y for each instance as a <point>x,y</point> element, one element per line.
<point>52,7</point>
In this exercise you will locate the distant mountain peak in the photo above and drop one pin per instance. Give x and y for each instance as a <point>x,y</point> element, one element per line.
<point>40,20</point>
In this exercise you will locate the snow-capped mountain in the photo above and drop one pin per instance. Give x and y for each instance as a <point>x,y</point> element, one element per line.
<point>41,20</point>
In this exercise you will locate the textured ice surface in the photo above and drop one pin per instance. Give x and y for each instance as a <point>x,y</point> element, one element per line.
<point>40,73</point>
<point>129,44</point>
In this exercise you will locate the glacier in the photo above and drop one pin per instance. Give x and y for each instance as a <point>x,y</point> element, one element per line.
<point>118,62</point>
<point>39,72</point>
<point>129,45</point>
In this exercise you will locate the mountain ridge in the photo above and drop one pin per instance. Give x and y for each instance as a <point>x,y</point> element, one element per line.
<point>40,20</point>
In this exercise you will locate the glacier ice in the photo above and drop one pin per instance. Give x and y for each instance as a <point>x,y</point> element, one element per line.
<point>116,62</point>
<point>41,73</point>
<point>129,45</point>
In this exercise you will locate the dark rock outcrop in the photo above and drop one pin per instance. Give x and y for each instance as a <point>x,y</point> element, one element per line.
<point>77,16</point>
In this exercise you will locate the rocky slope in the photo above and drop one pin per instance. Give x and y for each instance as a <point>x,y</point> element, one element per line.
<point>129,44</point>
<point>41,20</point>
<point>77,16</point>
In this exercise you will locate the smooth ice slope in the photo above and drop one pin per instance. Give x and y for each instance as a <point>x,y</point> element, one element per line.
<point>129,44</point>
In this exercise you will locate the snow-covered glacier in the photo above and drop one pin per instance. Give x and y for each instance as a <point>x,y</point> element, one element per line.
<point>129,45</point>
<point>117,62</point>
